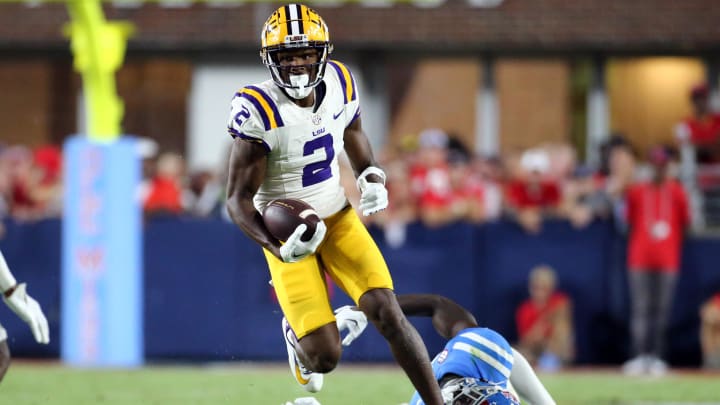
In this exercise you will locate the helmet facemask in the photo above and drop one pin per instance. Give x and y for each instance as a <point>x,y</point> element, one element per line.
<point>297,80</point>
<point>471,391</point>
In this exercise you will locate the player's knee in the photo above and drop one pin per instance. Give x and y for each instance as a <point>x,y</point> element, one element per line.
<point>391,323</point>
<point>325,361</point>
<point>374,302</point>
<point>383,310</point>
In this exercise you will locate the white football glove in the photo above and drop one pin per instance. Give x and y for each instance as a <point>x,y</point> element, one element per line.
<point>304,401</point>
<point>29,311</point>
<point>295,249</point>
<point>373,196</point>
<point>352,320</point>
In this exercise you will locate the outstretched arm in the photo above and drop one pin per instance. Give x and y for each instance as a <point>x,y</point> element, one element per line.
<point>16,297</point>
<point>7,286</point>
<point>448,317</point>
<point>7,281</point>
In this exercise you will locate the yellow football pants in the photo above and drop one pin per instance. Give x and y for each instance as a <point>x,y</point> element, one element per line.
<point>351,258</point>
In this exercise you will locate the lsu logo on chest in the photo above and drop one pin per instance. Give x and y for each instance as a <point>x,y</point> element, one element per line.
<point>318,132</point>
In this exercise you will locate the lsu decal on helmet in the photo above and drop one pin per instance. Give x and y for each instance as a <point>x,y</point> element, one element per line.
<point>295,26</point>
<point>471,391</point>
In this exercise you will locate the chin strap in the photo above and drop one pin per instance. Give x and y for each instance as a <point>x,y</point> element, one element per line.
<point>362,181</point>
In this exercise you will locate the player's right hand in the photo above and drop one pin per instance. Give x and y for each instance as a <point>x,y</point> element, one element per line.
<point>29,311</point>
<point>295,249</point>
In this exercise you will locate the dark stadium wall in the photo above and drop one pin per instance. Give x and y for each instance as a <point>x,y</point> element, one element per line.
<point>534,102</point>
<point>440,93</point>
<point>38,103</point>
<point>155,91</point>
<point>484,268</point>
<point>515,25</point>
<point>649,96</point>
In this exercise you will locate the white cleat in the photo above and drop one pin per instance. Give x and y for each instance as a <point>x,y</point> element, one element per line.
<point>636,366</point>
<point>311,382</point>
<point>657,367</point>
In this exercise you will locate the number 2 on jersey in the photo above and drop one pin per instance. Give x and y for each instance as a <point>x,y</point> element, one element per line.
<point>241,116</point>
<point>318,171</point>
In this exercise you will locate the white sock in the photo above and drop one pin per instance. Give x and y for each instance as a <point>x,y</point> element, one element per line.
<point>526,382</point>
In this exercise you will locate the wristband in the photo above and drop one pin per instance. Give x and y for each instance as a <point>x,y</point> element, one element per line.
<point>9,291</point>
<point>368,171</point>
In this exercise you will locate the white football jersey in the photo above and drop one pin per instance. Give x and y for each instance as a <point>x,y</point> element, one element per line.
<point>302,144</point>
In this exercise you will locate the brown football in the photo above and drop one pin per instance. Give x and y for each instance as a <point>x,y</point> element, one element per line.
<point>284,215</point>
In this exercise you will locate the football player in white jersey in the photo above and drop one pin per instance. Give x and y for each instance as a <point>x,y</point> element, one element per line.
<point>17,299</point>
<point>288,133</point>
<point>476,365</point>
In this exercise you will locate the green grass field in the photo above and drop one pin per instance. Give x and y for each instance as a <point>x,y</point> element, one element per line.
<point>249,384</point>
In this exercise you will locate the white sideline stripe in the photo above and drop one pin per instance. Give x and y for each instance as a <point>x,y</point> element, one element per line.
<point>490,345</point>
<point>484,357</point>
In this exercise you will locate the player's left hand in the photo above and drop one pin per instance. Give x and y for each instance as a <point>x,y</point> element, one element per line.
<point>350,319</point>
<point>304,401</point>
<point>373,197</point>
<point>295,249</point>
<point>29,311</point>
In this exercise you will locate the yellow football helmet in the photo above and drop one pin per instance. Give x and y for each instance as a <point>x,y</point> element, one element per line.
<point>290,27</point>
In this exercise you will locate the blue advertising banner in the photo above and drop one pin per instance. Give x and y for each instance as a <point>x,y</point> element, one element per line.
<point>102,306</point>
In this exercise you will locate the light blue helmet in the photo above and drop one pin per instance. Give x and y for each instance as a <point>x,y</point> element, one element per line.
<point>472,391</point>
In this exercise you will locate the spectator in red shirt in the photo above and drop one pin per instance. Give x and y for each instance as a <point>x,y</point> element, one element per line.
<point>430,178</point>
<point>657,215</point>
<point>35,188</point>
<point>702,129</point>
<point>471,197</point>
<point>544,322</point>
<point>533,196</point>
<point>468,190</point>
<point>710,332</point>
<point>489,172</point>
<point>165,190</point>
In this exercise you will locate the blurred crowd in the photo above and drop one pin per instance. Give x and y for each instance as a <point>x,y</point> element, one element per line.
<point>432,177</point>
<point>435,179</point>
<point>30,182</point>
